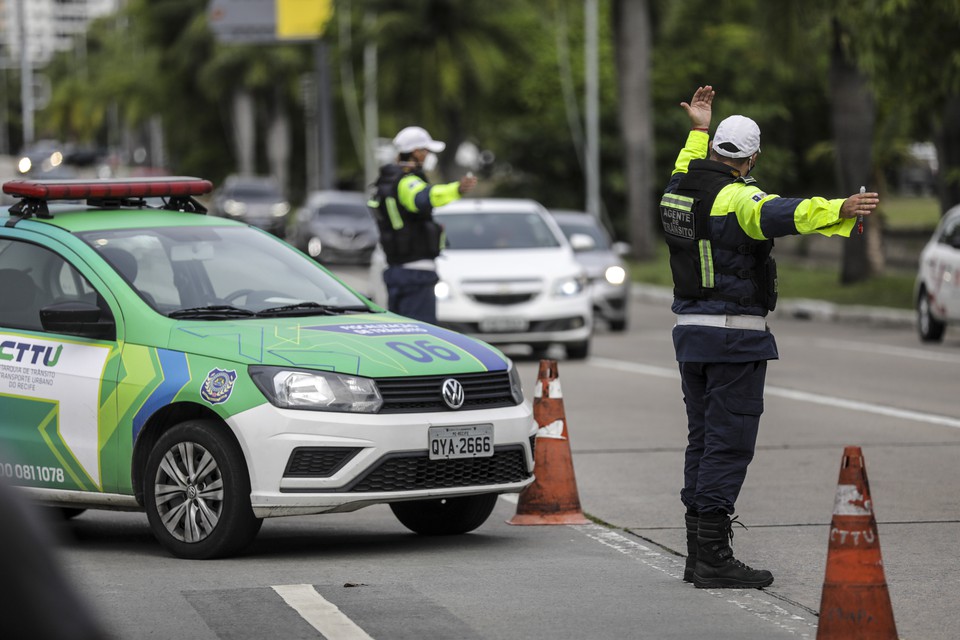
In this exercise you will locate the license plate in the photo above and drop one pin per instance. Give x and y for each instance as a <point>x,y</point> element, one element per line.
<point>503,325</point>
<point>475,441</point>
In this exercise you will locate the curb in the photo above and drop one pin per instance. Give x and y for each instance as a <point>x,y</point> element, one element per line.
<point>803,308</point>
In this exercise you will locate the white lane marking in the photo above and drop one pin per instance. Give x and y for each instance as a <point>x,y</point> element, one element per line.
<point>324,616</point>
<point>751,600</point>
<point>792,394</point>
<point>901,352</point>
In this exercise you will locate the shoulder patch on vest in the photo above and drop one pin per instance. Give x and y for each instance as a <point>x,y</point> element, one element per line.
<point>757,197</point>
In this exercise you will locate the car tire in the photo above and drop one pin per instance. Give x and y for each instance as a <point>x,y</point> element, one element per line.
<point>929,328</point>
<point>445,516</point>
<point>197,492</point>
<point>578,350</point>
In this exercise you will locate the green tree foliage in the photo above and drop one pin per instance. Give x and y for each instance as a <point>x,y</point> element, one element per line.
<point>509,76</point>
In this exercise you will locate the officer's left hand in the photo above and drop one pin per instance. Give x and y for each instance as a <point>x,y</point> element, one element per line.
<point>859,204</point>
<point>700,107</point>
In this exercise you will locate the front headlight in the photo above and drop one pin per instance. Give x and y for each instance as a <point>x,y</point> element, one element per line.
<point>441,291</point>
<point>280,209</point>
<point>615,275</point>
<point>234,208</point>
<point>317,390</point>
<point>516,387</point>
<point>571,286</point>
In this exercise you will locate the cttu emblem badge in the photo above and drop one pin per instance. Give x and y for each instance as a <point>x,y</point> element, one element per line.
<point>452,392</point>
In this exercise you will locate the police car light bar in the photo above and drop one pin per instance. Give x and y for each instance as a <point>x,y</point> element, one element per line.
<point>169,187</point>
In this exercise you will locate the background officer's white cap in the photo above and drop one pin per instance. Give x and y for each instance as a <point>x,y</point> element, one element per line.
<point>412,138</point>
<point>737,137</point>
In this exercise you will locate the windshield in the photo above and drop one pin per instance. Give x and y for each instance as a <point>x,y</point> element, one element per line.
<point>263,192</point>
<point>497,231</point>
<point>225,271</point>
<point>353,211</point>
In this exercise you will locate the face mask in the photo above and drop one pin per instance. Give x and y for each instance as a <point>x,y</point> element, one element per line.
<point>430,162</point>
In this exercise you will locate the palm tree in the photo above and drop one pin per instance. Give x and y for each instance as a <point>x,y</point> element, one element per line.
<point>458,46</point>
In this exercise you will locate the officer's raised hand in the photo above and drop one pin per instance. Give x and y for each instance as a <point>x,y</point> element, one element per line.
<point>467,183</point>
<point>700,107</point>
<point>859,204</point>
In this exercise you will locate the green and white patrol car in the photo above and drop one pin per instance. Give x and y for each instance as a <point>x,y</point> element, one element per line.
<point>154,358</point>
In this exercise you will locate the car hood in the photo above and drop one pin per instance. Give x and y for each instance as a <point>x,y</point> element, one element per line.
<point>507,265</point>
<point>376,345</point>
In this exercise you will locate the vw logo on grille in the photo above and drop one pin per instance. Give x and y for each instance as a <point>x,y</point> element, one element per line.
<point>452,392</point>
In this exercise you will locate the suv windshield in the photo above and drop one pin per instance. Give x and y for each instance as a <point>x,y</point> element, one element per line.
<point>497,231</point>
<point>221,271</point>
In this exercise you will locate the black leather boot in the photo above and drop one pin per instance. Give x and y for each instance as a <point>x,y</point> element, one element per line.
<point>716,567</point>
<point>693,520</point>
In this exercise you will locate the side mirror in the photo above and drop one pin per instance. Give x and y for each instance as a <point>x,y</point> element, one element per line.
<point>582,242</point>
<point>78,318</point>
<point>622,249</point>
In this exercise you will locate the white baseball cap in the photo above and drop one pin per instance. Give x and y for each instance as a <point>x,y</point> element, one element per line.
<point>412,138</point>
<point>737,137</point>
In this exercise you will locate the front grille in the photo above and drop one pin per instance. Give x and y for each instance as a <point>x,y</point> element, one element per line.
<point>415,471</point>
<point>535,326</point>
<point>485,390</point>
<point>318,462</point>
<point>502,299</point>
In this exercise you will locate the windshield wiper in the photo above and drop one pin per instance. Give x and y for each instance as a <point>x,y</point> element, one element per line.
<point>211,312</point>
<point>312,308</point>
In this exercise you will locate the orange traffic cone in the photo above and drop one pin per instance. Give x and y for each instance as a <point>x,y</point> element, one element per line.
<point>553,497</point>
<point>855,604</point>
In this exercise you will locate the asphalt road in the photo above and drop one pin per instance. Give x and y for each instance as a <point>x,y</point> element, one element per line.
<point>839,383</point>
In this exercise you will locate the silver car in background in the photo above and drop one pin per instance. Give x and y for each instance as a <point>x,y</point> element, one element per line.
<point>256,200</point>
<point>937,289</point>
<point>603,260</point>
<point>335,227</point>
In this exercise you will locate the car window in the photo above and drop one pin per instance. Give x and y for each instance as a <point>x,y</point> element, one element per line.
<point>497,231</point>
<point>178,267</point>
<point>254,192</point>
<point>355,211</point>
<point>951,232</point>
<point>32,277</point>
<point>600,238</point>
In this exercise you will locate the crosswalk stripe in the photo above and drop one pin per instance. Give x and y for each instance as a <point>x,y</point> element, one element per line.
<point>324,616</point>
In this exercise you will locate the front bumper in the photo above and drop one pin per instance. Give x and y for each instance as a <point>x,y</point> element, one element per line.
<point>303,462</point>
<point>557,321</point>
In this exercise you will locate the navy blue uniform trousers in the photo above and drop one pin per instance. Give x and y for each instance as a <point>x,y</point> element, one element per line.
<point>724,401</point>
<point>410,293</point>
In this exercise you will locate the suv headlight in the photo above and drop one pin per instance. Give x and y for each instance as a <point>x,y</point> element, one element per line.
<point>234,208</point>
<point>571,286</point>
<point>615,275</point>
<point>317,390</point>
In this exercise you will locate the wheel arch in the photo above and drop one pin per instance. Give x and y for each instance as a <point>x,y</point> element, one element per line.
<point>158,424</point>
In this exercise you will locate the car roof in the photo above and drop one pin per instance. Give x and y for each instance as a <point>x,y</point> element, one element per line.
<point>492,205</point>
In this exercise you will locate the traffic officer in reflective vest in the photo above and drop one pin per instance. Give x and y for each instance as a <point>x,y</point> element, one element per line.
<point>720,227</point>
<point>403,204</point>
